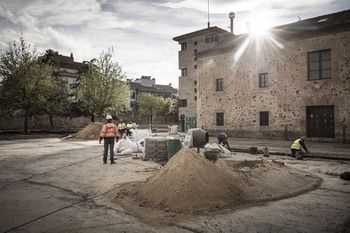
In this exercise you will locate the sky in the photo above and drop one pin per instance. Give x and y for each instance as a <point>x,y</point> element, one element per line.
<point>141,32</point>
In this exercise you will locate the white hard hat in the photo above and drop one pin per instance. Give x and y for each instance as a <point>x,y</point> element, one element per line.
<point>108,117</point>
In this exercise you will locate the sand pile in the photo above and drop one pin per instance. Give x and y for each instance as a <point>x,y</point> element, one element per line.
<point>90,132</point>
<point>263,180</point>
<point>189,183</point>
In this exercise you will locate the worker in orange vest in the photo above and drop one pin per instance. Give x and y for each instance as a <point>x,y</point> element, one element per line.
<point>109,133</point>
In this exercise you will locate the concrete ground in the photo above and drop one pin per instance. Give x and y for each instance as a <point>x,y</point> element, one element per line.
<point>53,185</point>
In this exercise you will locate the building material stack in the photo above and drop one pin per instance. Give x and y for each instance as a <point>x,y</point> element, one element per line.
<point>156,148</point>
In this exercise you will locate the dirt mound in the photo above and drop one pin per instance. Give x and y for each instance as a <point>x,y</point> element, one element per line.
<point>90,132</point>
<point>189,183</point>
<point>263,180</point>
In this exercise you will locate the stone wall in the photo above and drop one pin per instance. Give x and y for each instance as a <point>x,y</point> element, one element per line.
<point>42,122</point>
<point>288,93</point>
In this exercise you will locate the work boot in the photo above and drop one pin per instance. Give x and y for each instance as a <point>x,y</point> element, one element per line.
<point>104,162</point>
<point>112,162</point>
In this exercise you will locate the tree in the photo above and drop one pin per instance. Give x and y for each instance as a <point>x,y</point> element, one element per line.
<point>102,87</point>
<point>163,106</point>
<point>58,98</point>
<point>26,82</point>
<point>151,107</point>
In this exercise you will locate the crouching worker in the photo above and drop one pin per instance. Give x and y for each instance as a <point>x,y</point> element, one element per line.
<point>296,148</point>
<point>222,138</point>
<point>109,133</point>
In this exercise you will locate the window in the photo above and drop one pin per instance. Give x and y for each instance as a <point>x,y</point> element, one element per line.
<point>133,95</point>
<point>195,43</point>
<point>183,46</point>
<point>195,98</point>
<point>183,103</point>
<point>195,82</point>
<point>263,80</point>
<point>211,38</point>
<point>219,84</point>
<point>195,90</point>
<point>195,67</point>
<point>319,65</point>
<point>184,72</point>
<point>195,58</point>
<point>195,52</point>
<point>71,71</point>
<point>220,119</point>
<point>264,118</point>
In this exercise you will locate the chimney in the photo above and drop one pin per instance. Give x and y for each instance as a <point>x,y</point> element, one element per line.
<point>231,16</point>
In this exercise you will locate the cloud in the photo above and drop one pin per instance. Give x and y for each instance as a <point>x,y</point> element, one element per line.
<point>141,31</point>
<point>24,19</point>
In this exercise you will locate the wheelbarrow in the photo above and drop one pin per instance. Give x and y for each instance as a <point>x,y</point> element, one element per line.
<point>212,154</point>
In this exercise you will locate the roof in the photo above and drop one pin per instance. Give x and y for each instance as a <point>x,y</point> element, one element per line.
<point>68,62</point>
<point>325,24</point>
<point>214,29</point>
<point>155,89</point>
<point>308,28</point>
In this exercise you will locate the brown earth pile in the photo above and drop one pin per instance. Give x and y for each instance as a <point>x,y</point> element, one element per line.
<point>263,180</point>
<point>90,132</point>
<point>189,183</point>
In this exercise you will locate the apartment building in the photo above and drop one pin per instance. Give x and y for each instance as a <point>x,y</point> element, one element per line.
<point>69,69</point>
<point>294,82</point>
<point>147,84</point>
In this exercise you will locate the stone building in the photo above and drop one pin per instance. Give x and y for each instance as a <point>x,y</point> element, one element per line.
<point>191,44</point>
<point>294,81</point>
<point>148,85</point>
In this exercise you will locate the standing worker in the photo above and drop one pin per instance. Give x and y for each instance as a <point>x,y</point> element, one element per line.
<point>222,138</point>
<point>121,128</point>
<point>128,128</point>
<point>109,133</point>
<point>296,148</point>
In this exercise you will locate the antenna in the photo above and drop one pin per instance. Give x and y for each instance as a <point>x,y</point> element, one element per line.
<point>208,16</point>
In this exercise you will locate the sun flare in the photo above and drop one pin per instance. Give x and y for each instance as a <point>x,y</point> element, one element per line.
<point>259,25</point>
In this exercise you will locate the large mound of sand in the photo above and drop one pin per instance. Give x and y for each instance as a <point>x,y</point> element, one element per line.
<point>90,132</point>
<point>189,183</point>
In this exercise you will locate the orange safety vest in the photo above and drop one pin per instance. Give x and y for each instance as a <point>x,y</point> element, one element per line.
<point>109,130</point>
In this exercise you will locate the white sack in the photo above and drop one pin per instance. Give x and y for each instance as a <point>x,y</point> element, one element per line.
<point>124,144</point>
<point>138,134</point>
<point>127,152</point>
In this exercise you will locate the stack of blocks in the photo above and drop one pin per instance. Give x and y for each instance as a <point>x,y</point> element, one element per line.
<point>156,148</point>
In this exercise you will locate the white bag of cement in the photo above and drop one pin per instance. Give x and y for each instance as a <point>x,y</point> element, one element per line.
<point>141,145</point>
<point>124,144</point>
<point>225,153</point>
<point>138,134</point>
<point>126,152</point>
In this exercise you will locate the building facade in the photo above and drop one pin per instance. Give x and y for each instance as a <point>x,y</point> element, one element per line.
<point>294,82</point>
<point>148,85</point>
<point>68,68</point>
<point>191,44</point>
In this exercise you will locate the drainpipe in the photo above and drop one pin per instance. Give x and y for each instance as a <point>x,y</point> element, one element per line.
<point>286,132</point>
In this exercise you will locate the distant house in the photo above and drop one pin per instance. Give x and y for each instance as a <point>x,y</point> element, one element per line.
<point>69,69</point>
<point>148,85</point>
